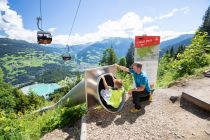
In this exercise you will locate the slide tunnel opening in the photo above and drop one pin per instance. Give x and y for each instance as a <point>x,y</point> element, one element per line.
<point>110,83</point>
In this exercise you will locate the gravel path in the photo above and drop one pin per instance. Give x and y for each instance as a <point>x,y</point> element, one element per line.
<point>161,119</point>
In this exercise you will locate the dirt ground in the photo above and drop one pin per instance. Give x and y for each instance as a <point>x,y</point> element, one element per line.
<point>67,133</point>
<point>160,119</point>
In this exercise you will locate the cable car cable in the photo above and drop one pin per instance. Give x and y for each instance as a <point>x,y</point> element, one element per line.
<point>40,10</point>
<point>72,26</point>
<point>69,56</point>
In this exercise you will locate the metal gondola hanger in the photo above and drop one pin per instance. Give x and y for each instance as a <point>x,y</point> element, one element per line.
<point>69,56</point>
<point>39,19</point>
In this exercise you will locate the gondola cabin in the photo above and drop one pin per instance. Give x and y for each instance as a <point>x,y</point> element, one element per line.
<point>66,57</point>
<point>44,37</point>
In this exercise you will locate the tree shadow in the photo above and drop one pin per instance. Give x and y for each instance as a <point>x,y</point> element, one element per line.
<point>194,109</point>
<point>103,118</point>
<point>100,116</point>
<point>127,116</point>
<point>73,131</point>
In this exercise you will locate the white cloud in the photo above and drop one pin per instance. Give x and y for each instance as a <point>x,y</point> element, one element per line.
<point>12,24</point>
<point>128,25</point>
<point>185,10</point>
<point>51,29</point>
<point>3,5</point>
<point>170,14</point>
<point>147,19</point>
<point>165,35</point>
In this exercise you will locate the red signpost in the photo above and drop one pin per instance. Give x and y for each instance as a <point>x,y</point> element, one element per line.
<point>144,41</point>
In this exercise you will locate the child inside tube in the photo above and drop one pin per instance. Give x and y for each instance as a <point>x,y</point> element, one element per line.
<point>112,95</point>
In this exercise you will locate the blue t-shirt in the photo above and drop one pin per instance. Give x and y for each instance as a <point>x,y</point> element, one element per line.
<point>141,79</point>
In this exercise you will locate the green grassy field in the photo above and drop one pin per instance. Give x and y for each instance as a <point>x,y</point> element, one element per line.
<point>27,63</point>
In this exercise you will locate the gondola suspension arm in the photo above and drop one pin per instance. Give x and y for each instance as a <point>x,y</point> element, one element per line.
<point>39,19</point>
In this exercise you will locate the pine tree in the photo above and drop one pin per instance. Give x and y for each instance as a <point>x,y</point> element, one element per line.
<point>205,27</point>
<point>109,57</point>
<point>171,51</point>
<point>181,49</point>
<point>130,55</point>
<point>122,61</point>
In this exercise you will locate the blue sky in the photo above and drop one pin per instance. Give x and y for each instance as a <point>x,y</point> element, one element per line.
<point>100,19</point>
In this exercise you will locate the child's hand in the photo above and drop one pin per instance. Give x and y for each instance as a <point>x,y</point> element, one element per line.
<point>112,75</point>
<point>130,92</point>
<point>116,65</point>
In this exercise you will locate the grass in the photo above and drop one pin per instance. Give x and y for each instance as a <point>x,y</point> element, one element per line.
<point>168,78</point>
<point>34,126</point>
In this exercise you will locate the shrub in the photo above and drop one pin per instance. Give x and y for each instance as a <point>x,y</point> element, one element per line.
<point>194,57</point>
<point>34,126</point>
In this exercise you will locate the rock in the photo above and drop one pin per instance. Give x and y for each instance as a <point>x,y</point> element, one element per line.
<point>208,133</point>
<point>99,123</point>
<point>173,98</point>
<point>207,73</point>
<point>146,136</point>
<point>183,84</point>
<point>172,84</point>
<point>178,136</point>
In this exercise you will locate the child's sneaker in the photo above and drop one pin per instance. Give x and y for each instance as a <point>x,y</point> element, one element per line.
<point>134,110</point>
<point>150,98</point>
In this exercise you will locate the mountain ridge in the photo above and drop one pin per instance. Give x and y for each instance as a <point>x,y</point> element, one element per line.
<point>84,51</point>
